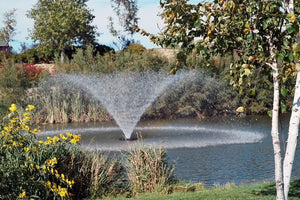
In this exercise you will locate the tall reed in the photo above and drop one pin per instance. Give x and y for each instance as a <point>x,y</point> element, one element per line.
<point>148,169</point>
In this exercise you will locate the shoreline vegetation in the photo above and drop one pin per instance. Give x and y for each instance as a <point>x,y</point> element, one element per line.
<point>207,96</point>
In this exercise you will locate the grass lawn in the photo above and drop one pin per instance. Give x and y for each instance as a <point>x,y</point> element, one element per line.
<point>264,191</point>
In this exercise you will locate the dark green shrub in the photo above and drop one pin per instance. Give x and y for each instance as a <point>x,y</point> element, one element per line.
<point>135,49</point>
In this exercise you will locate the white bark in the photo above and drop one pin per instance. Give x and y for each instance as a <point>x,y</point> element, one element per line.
<point>274,131</point>
<point>62,56</point>
<point>289,6</point>
<point>293,126</point>
<point>275,136</point>
<point>292,139</point>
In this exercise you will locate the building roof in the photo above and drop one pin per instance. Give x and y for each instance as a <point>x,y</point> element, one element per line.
<point>3,43</point>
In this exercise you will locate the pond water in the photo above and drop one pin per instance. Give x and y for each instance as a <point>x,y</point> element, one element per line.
<point>212,151</point>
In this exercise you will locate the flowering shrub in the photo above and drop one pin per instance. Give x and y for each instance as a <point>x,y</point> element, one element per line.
<point>29,168</point>
<point>32,73</point>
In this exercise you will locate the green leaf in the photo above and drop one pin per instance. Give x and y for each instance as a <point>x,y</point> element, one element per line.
<point>283,107</point>
<point>197,24</point>
<point>291,57</point>
<point>290,29</point>
<point>281,56</point>
<point>249,38</point>
<point>270,113</point>
<point>252,92</point>
<point>265,26</point>
<point>283,91</point>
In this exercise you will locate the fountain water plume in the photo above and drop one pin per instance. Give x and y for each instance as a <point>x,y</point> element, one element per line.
<point>125,96</point>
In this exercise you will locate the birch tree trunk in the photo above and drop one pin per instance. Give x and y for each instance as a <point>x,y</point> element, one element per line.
<point>293,126</point>
<point>292,139</point>
<point>275,136</point>
<point>274,131</point>
<point>62,56</point>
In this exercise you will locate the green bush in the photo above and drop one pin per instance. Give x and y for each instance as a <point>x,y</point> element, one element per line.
<point>85,60</point>
<point>29,167</point>
<point>135,49</point>
<point>54,168</point>
<point>13,84</point>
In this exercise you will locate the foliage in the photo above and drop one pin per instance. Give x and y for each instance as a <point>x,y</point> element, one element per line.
<point>107,176</point>
<point>13,83</point>
<point>8,31</point>
<point>135,49</point>
<point>148,170</point>
<point>247,30</point>
<point>34,55</point>
<point>56,104</point>
<point>61,24</point>
<point>126,12</point>
<point>86,61</point>
<point>29,167</point>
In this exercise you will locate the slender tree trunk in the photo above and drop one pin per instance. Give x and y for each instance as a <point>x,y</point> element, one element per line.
<point>274,131</point>
<point>275,136</point>
<point>62,56</point>
<point>293,126</point>
<point>292,138</point>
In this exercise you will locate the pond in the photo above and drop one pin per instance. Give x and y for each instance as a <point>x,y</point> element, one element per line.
<point>212,151</point>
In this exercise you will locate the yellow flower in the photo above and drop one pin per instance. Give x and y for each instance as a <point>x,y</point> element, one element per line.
<point>13,108</point>
<point>62,136</point>
<point>15,144</point>
<point>240,109</point>
<point>63,192</point>
<point>23,194</point>
<point>291,17</point>
<point>30,107</point>
<point>48,162</point>
<point>69,134</point>
<point>75,139</point>
<point>48,184</point>
<point>62,177</point>
<point>26,149</point>
<point>54,161</point>
<point>26,128</point>
<point>55,138</point>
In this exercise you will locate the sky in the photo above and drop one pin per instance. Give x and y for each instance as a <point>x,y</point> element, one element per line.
<point>101,9</point>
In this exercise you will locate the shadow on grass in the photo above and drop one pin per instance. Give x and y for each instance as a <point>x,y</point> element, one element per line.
<point>270,189</point>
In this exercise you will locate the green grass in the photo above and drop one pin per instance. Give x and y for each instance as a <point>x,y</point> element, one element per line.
<point>263,191</point>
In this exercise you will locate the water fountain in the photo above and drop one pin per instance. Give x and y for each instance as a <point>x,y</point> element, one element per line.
<point>212,144</point>
<point>125,96</point>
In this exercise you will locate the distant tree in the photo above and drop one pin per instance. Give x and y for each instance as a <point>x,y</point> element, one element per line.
<point>61,24</point>
<point>126,11</point>
<point>8,31</point>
